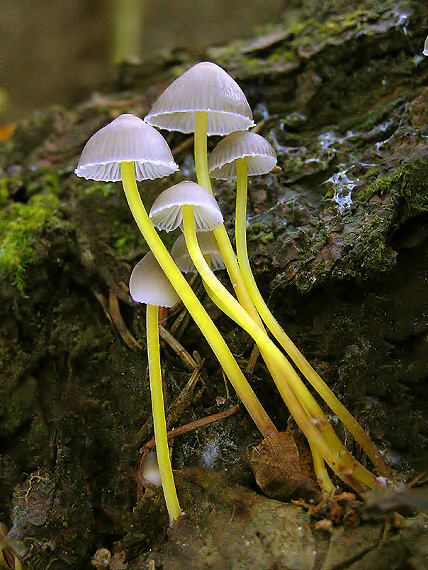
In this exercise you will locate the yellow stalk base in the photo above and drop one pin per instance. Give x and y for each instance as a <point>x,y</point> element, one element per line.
<point>158,411</point>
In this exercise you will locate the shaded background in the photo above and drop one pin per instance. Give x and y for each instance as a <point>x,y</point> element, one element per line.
<point>58,52</point>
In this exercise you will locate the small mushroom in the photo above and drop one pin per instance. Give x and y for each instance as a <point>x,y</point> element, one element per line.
<point>208,247</point>
<point>258,154</point>
<point>166,213</point>
<point>150,468</point>
<point>126,139</point>
<point>425,52</point>
<point>149,284</point>
<point>206,88</point>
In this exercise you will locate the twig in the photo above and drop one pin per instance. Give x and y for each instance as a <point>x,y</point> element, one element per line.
<point>184,399</point>
<point>252,360</point>
<point>195,425</point>
<point>104,304</point>
<point>114,310</point>
<point>177,407</point>
<point>187,360</point>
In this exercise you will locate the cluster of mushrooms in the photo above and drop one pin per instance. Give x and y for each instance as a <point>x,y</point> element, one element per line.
<point>205,100</point>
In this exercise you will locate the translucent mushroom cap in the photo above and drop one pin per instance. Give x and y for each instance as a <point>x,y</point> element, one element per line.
<point>208,246</point>
<point>425,52</point>
<point>166,211</point>
<point>203,87</point>
<point>149,284</point>
<point>127,138</point>
<point>150,469</point>
<point>259,155</point>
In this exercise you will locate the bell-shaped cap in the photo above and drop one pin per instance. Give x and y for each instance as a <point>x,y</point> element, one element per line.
<point>203,87</point>
<point>126,139</point>
<point>208,246</point>
<point>259,155</point>
<point>149,284</point>
<point>425,52</point>
<point>166,212</point>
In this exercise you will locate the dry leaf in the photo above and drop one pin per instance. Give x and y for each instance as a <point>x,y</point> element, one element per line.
<point>282,467</point>
<point>117,562</point>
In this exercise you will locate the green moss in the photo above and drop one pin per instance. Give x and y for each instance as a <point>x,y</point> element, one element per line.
<point>20,228</point>
<point>123,238</point>
<point>104,189</point>
<point>259,233</point>
<point>4,192</point>
<point>46,183</point>
<point>409,182</point>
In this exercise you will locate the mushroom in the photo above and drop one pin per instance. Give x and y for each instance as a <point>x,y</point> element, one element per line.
<point>207,101</point>
<point>166,213</point>
<point>242,154</point>
<point>208,247</point>
<point>171,210</point>
<point>127,138</point>
<point>425,52</point>
<point>238,154</point>
<point>150,155</point>
<point>246,146</point>
<point>204,88</point>
<point>149,284</point>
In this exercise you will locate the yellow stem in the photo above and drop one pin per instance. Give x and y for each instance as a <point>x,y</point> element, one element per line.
<point>220,234</point>
<point>193,305</point>
<point>158,411</point>
<point>272,324</point>
<point>294,393</point>
<point>321,473</point>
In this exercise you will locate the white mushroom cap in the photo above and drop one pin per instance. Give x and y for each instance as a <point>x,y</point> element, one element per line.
<point>203,87</point>
<point>425,52</point>
<point>166,211</point>
<point>128,138</point>
<point>259,155</point>
<point>150,469</point>
<point>208,246</point>
<point>149,284</point>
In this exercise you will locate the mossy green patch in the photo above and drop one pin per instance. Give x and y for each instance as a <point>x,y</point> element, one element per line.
<point>409,182</point>
<point>20,227</point>
<point>259,233</point>
<point>103,189</point>
<point>123,238</point>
